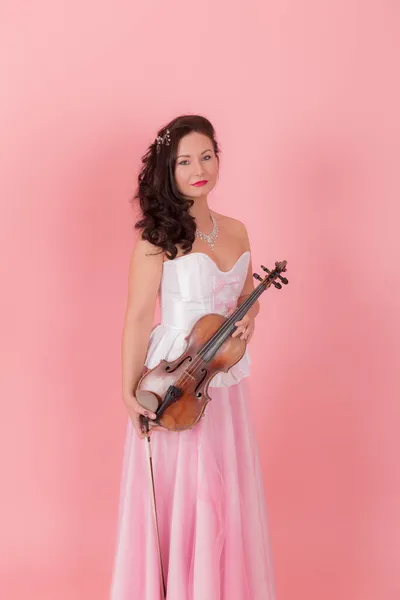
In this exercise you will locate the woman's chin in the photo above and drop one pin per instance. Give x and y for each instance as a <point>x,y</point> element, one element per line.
<point>198,192</point>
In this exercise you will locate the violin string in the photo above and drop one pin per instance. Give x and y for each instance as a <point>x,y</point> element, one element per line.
<point>198,360</point>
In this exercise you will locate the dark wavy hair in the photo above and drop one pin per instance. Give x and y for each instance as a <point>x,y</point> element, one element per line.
<point>166,221</point>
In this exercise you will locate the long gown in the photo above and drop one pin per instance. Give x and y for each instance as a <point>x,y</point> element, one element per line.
<point>209,490</point>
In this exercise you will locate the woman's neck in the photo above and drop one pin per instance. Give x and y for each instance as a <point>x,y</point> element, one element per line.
<point>202,214</point>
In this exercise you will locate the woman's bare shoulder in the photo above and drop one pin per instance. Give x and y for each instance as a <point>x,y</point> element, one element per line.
<point>232,226</point>
<point>143,248</point>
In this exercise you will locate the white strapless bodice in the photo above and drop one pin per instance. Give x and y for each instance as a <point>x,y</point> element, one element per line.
<point>193,286</point>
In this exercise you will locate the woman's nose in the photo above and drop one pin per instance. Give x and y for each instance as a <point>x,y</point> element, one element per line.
<point>198,169</point>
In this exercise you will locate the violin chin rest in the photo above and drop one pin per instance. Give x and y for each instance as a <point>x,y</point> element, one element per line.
<point>147,400</point>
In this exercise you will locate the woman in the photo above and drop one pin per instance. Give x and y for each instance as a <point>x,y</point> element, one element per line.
<point>210,500</point>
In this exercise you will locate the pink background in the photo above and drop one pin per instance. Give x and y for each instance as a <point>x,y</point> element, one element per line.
<point>304,96</point>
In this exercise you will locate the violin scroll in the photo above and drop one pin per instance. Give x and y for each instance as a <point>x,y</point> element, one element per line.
<point>280,267</point>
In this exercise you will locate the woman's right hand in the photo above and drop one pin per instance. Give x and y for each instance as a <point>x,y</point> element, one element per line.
<point>135,410</point>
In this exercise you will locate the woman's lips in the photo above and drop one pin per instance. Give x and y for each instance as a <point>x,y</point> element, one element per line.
<point>199,183</point>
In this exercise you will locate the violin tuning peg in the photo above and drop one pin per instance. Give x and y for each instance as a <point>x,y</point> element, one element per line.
<point>283,279</point>
<point>257,276</point>
<point>277,285</point>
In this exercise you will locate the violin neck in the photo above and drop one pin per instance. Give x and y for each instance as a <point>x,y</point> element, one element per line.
<point>229,326</point>
<point>244,308</point>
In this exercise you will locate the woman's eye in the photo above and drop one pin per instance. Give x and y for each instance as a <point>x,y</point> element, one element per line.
<point>186,161</point>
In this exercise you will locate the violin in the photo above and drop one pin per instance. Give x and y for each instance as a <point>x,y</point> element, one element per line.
<point>176,391</point>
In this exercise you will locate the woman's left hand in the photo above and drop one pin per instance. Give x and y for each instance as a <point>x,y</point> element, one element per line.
<point>245,328</point>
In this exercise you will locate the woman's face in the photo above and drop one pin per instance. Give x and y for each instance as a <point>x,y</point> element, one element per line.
<point>196,162</point>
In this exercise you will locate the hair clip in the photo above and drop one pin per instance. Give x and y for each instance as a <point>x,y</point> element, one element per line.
<point>163,139</point>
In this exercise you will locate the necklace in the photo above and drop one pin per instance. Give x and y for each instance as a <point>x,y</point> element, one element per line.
<point>211,237</point>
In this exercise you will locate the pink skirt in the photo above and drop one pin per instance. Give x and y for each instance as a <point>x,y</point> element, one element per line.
<point>210,505</point>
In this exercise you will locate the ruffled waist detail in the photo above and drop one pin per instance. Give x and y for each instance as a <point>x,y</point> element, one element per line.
<point>169,343</point>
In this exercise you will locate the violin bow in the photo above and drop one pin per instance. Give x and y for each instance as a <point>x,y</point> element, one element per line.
<point>153,502</point>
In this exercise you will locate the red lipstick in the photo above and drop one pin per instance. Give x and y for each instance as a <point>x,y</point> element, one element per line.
<point>199,183</point>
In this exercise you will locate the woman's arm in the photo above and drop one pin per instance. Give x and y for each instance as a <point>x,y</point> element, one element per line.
<point>248,286</point>
<point>144,278</point>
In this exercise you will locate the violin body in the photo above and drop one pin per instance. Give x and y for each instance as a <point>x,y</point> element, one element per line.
<point>176,391</point>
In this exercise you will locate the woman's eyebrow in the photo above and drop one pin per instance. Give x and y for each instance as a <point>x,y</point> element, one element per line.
<point>189,155</point>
